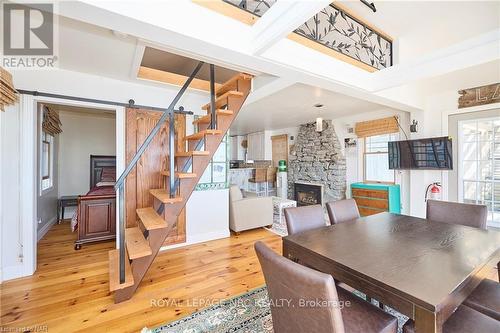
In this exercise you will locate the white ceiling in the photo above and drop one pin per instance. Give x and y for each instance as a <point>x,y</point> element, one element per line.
<point>421,26</point>
<point>294,106</point>
<point>470,77</point>
<point>90,49</point>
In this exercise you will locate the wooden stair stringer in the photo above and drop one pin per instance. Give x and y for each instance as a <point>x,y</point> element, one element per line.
<point>171,212</point>
<point>141,266</point>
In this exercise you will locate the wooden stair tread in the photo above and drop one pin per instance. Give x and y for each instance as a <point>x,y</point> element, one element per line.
<point>164,196</point>
<point>192,153</point>
<point>114,271</point>
<point>150,218</point>
<point>201,134</point>
<point>222,98</point>
<point>180,175</point>
<point>237,90</point>
<point>137,245</point>
<point>207,118</point>
<point>231,83</point>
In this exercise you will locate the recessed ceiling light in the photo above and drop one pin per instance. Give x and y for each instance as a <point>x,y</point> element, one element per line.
<point>319,105</point>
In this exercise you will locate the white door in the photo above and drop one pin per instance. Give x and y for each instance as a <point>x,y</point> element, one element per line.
<point>479,165</point>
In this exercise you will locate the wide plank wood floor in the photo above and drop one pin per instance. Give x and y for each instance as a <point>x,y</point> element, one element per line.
<point>70,293</point>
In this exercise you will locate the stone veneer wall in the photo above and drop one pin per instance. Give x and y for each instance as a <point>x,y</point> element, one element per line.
<point>316,157</point>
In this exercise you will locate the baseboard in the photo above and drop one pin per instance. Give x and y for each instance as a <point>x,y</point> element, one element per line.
<point>201,238</point>
<point>46,228</point>
<point>12,272</point>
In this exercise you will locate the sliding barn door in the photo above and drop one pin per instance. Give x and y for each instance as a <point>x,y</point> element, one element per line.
<point>146,175</point>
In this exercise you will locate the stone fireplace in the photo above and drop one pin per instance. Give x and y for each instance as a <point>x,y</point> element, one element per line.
<point>317,159</point>
<point>307,194</point>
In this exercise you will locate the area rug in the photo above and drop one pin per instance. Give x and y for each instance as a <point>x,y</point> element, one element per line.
<point>247,313</point>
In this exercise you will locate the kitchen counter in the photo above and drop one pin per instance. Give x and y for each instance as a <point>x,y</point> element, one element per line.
<point>240,176</point>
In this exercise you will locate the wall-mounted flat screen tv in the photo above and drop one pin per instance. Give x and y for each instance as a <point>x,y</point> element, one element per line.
<point>430,154</point>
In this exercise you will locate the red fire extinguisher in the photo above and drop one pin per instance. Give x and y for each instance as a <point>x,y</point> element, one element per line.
<point>435,191</point>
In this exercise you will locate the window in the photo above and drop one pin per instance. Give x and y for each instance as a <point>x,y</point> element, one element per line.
<point>215,175</point>
<point>479,165</point>
<point>46,161</point>
<point>376,158</point>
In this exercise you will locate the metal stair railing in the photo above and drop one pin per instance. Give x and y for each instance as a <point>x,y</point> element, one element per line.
<point>120,183</point>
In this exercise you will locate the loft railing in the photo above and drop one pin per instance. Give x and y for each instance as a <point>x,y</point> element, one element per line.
<point>335,29</point>
<point>340,31</point>
<point>169,113</point>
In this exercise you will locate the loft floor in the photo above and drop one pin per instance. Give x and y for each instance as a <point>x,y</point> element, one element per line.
<point>69,291</point>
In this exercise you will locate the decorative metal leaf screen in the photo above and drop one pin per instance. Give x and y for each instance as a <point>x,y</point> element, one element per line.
<point>339,31</point>
<point>256,7</point>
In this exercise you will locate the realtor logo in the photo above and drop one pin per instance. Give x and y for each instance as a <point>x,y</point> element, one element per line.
<point>28,35</point>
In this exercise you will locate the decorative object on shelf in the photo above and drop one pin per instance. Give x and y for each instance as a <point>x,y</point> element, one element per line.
<point>51,122</point>
<point>340,31</point>
<point>282,166</point>
<point>8,95</point>
<point>479,95</point>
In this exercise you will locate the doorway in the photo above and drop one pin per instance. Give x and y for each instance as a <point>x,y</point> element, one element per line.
<point>76,144</point>
<point>479,165</point>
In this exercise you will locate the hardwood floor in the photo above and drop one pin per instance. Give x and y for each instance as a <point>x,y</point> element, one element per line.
<point>69,291</point>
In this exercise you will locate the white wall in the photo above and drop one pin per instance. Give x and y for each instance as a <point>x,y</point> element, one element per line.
<point>354,155</point>
<point>11,241</point>
<point>207,216</point>
<point>83,135</point>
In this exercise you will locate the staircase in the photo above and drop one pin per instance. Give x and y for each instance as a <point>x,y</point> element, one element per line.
<point>140,245</point>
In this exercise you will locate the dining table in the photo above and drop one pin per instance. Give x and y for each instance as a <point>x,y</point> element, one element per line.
<point>420,268</point>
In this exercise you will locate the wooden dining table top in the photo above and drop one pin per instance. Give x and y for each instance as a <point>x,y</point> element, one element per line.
<point>423,260</point>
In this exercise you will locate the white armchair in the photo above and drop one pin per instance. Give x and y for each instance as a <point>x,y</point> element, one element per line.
<point>248,213</point>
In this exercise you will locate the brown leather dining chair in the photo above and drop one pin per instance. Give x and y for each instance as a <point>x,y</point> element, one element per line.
<point>457,213</point>
<point>342,210</point>
<point>486,297</point>
<point>304,218</point>
<point>305,300</point>
<point>463,320</point>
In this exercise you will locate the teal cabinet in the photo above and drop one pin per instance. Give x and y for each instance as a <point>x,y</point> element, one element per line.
<point>375,198</point>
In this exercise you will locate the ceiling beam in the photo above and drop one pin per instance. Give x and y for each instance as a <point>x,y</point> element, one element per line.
<point>268,89</point>
<point>280,20</point>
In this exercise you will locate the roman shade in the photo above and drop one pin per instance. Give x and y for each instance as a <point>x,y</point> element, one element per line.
<point>8,95</point>
<point>377,127</point>
<point>51,123</point>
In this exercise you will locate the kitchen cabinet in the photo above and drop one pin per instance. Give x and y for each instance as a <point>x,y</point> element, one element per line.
<point>256,146</point>
<point>237,150</point>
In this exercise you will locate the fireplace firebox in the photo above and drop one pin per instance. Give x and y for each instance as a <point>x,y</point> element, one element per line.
<point>307,194</point>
